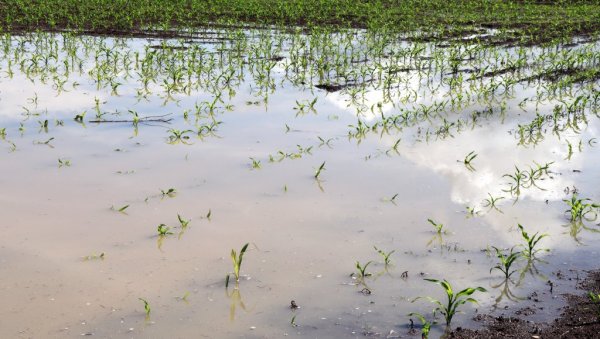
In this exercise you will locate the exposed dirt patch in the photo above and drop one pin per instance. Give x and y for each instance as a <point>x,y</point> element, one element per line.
<point>579,319</point>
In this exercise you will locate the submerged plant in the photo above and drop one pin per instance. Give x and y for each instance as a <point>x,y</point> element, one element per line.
<point>319,170</point>
<point>255,163</point>
<point>171,192</point>
<point>425,324</point>
<point>94,256</point>
<point>392,199</point>
<point>450,308</point>
<point>184,223</point>
<point>385,256</point>
<point>506,261</point>
<point>439,227</point>
<point>163,230</point>
<point>580,209</point>
<point>63,162</point>
<point>362,270</point>
<point>120,209</point>
<point>176,135</point>
<point>529,248</point>
<point>147,308</point>
<point>237,264</point>
<point>184,297</point>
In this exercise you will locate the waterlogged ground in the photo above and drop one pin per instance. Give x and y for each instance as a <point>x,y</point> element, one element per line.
<point>97,131</point>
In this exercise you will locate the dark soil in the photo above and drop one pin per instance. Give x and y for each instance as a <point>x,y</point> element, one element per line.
<point>579,319</point>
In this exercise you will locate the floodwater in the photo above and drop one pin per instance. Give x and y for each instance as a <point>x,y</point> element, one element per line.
<point>72,264</point>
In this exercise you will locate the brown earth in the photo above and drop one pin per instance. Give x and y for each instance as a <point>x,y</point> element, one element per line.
<point>579,319</point>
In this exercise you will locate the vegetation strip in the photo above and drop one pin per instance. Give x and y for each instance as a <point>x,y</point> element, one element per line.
<point>520,21</point>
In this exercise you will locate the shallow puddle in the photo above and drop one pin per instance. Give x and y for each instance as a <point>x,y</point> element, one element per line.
<point>97,131</point>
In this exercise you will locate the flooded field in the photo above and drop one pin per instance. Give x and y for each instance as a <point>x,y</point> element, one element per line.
<point>353,164</point>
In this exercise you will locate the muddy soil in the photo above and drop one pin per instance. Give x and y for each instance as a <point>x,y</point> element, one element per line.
<point>579,319</point>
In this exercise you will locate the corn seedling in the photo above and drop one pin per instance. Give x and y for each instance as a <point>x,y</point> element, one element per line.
<point>237,264</point>
<point>529,248</point>
<point>171,192</point>
<point>79,117</point>
<point>439,227</point>
<point>392,199</point>
<point>506,261</point>
<point>425,324</point>
<point>94,256</point>
<point>293,322</point>
<point>580,209</point>
<point>63,162</point>
<point>450,308</point>
<point>319,170</point>
<point>384,255</point>
<point>176,135</point>
<point>147,308</point>
<point>362,270</point>
<point>120,209</point>
<point>47,142</point>
<point>184,297</point>
<point>182,222</point>
<point>255,163</point>
<point>163,230</point>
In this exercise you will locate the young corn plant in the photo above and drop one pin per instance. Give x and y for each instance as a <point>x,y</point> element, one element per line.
<point>163,230</point>
<point>319,170</point>
<point>237,264</point>
<point>255,163</point>
<point>455,300</point>
<point>184,297</point>
<point>362,270</point>
<point>580,209</point>
<point>392,199</point>
<point>147,308</point>
<point>171,192</point>
<point>529,248</point>
<point>425,324</point>
<point>176,136</point>
<point>120,209</point>
<point>63,162</point>
<point>439,227</point>
<point>506,261</point>
<point>184,223</point>
<point>94,256</point>
<point>386,256</point>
